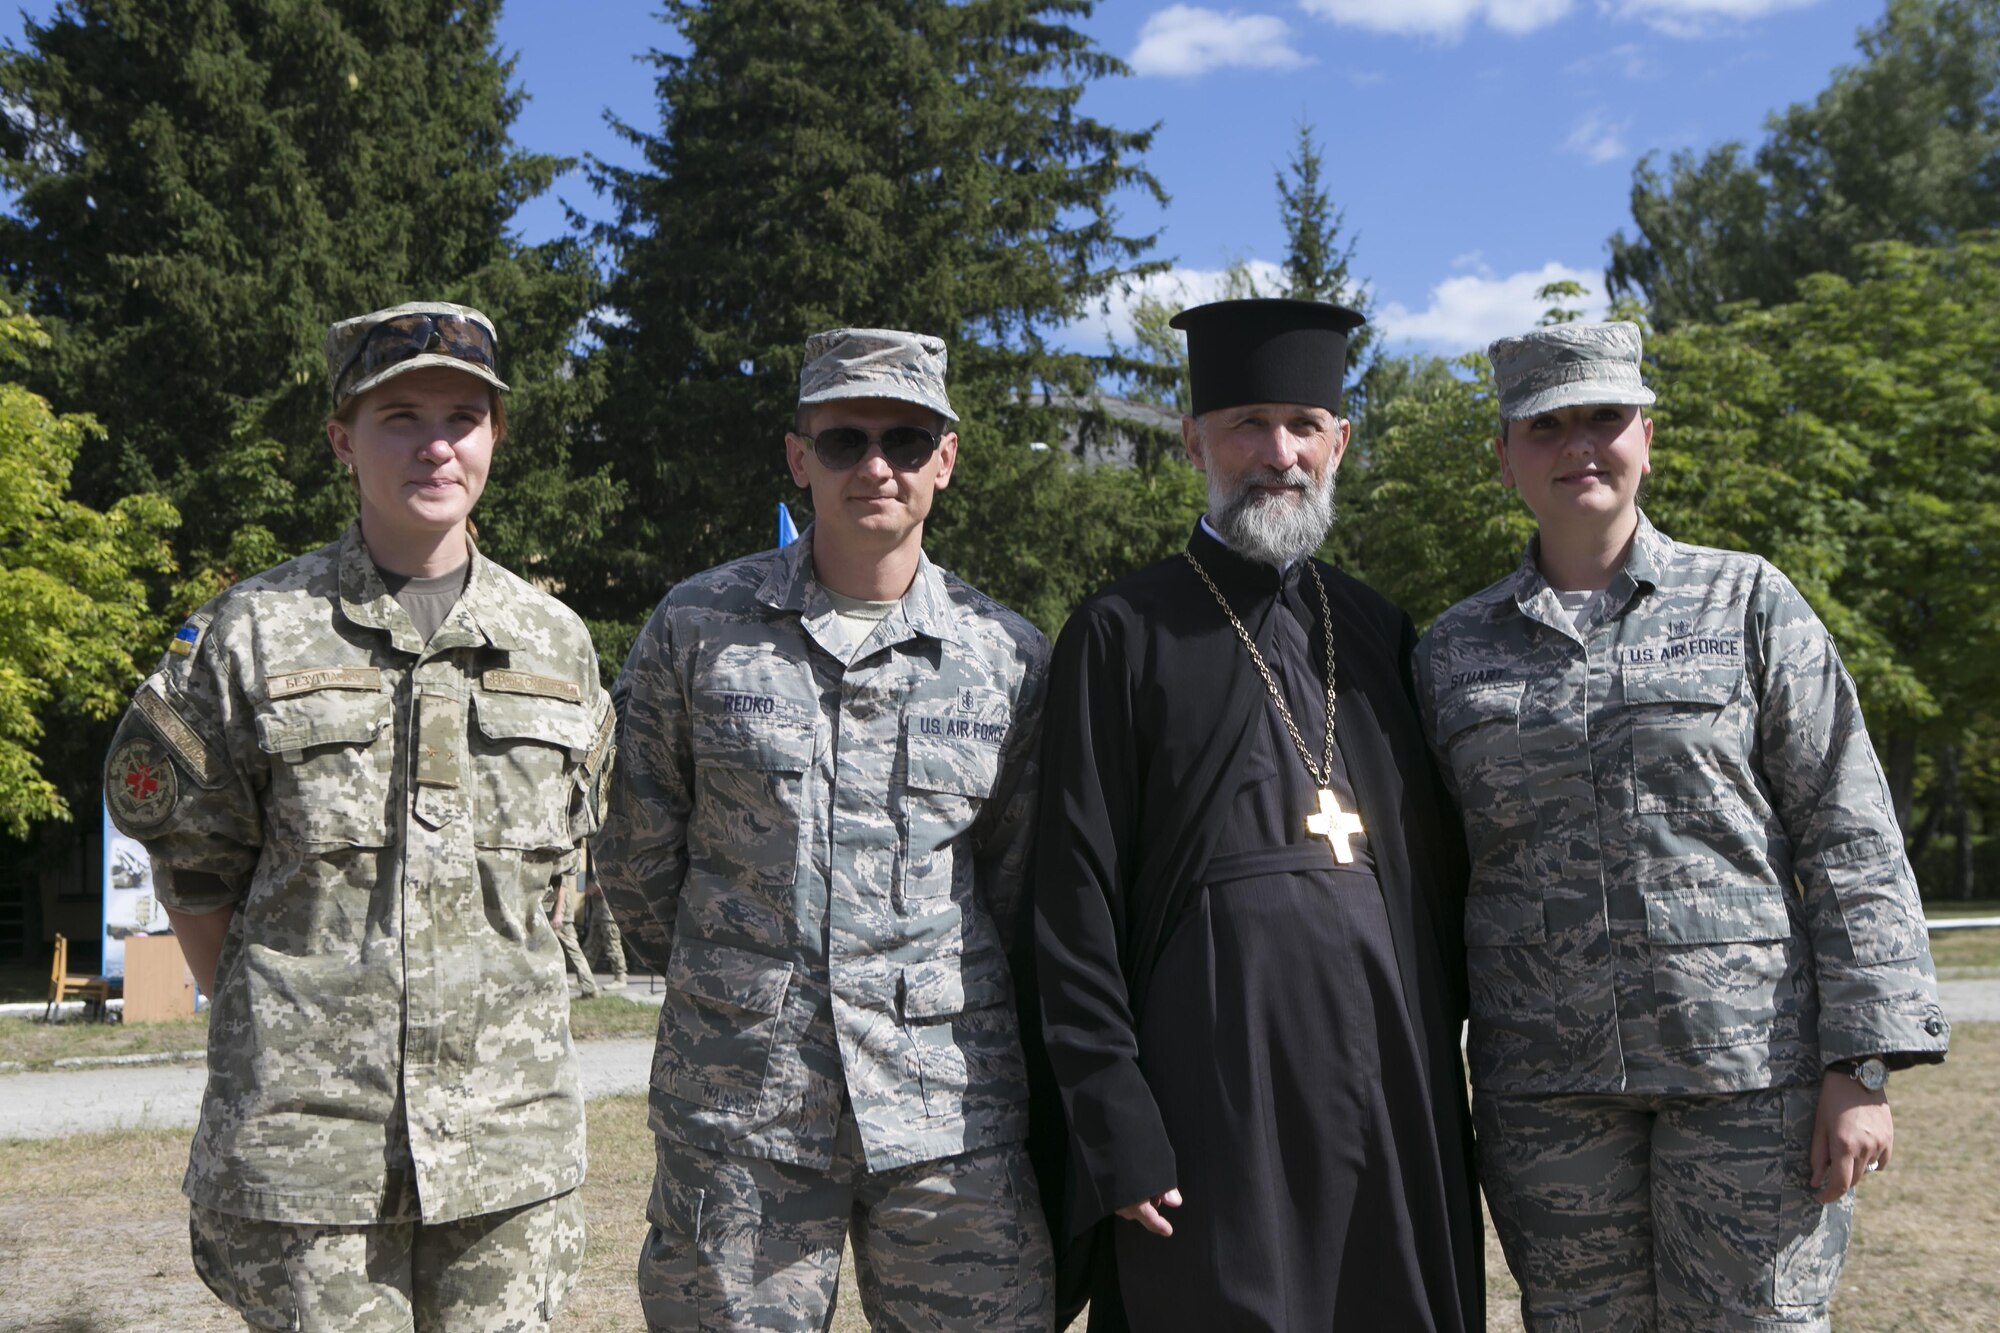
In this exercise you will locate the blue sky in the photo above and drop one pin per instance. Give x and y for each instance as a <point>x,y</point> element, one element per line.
<point>1479,147</point>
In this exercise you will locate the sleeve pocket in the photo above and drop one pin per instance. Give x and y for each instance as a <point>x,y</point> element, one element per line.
<point>1872,885</point>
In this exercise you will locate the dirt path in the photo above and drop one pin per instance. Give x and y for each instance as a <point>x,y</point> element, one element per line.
<point>85,1101</point>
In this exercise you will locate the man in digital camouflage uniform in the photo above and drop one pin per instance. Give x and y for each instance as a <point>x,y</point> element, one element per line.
<point>817,833</point>
<point>1694,942</point>
<point>360,777</point>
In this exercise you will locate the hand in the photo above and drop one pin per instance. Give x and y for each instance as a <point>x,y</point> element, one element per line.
<point>1147,1212</point>
<point>1852,1135</point>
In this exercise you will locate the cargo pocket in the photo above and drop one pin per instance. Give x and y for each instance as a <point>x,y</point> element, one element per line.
<point>1718,957</point>
<point>725,1008</point>
<point>332,767</point>
<point>1506,964</point>
<point>749,782</point>
<point>946,783</point>
<point>244,1262</point>
<point>524,752</point>
<point>958,1013</point>
<point>1479,731</point>
<point>670,1257</point>
<point>1687,744</point>
<point>1810,1238</point>
<point>1876,896</point>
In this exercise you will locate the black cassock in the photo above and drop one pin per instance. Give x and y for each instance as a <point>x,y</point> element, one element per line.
<point>1229,1010</point>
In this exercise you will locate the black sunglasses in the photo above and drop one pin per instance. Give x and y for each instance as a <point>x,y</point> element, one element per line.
<point>405,336</point>
<point>906,448</point>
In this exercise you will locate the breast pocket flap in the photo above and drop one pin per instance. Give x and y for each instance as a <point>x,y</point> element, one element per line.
<point>1469,708</point>
<point>508,717</point>
<point>968,765</point>
<point>329,717</point>
<point>1709,686</point>
<point>1503,918</point>
<point>780,744</point>
<point>1717,917</point>
<point>725,975</point>
<point>942,987</point>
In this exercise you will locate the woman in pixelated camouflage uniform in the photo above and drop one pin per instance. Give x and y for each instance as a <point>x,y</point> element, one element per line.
<point>1693,940</point>
<point>361,776</point>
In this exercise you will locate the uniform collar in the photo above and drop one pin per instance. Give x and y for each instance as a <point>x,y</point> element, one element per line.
<point>481,617</point>
<point>1650,555</point>
<point>926,609</point>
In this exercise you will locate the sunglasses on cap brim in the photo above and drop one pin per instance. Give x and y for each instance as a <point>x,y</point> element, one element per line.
<point>906,448</point>
<point>397,340</point>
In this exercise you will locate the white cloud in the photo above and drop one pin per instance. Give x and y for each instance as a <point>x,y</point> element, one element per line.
<point>1628,60</point>
<point>1597,141</point>
<point>1182,41</point>
<point>1697,18</point>
<point>1442,18</point>
<point>1469,311</point>
<point>1178,287</point>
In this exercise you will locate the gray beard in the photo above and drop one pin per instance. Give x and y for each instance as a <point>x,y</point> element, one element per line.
<point>1273,529</point>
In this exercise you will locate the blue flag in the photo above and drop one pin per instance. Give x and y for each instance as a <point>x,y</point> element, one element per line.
<point>787,531</point>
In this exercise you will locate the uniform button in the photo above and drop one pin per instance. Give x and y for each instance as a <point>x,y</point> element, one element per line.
<point>1934,1025</point>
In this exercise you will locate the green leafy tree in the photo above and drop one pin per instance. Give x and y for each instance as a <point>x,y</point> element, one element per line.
<point>1850,436</point>
<point>918,164</point>
<point>1426,521</point>
<point>1904,145</point>
<point>72,590</point>
<point>201,186</point>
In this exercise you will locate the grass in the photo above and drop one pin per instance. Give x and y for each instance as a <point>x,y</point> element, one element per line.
<point>38,1045</point>
<point>1942,907</point>
<point>1921,1262</point>
<point>1965,955</point>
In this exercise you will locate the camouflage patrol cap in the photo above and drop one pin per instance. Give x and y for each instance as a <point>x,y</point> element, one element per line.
<point>374,348</point>
<point>875,363</point>
<point>1567,365</point>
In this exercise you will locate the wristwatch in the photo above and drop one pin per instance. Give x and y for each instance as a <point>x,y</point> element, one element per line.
<point>1871,1072</point>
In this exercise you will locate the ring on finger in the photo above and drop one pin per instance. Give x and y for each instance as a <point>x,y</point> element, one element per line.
<point>1873,1166</point>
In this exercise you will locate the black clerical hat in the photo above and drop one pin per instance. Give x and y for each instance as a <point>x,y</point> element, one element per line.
<point>1267,351</point>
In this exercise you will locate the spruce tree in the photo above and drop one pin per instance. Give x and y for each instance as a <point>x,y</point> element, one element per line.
<point>915,164</point>
<point>203,185</point>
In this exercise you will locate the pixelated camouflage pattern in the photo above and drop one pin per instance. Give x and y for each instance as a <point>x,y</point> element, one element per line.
<point>1637,1211</point>
<point>390,969</point>
<point>826,861</point>
<point>504,1272</point>
<point>601,936</point>
<point>572,947</point>
<point>1640,793</point>
<point>748,1245</point>
<point>345,336</point>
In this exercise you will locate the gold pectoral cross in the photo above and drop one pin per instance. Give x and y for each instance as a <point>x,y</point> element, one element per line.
<point>1335,825</point>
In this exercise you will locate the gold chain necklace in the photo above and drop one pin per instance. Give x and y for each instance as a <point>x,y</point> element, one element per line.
<point>1337,826</point>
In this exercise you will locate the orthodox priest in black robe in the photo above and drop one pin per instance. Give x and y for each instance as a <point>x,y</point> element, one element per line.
<point>1247,923</point>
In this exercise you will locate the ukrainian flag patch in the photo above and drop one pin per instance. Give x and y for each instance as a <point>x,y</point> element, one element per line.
<point>185,638</point>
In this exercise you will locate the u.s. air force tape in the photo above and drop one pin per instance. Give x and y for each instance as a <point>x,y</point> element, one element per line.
<point>188,747</point>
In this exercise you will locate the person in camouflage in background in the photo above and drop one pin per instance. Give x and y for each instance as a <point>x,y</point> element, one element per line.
<point>818,833</point>
<point>361,777</point>
<point>1694,940</point>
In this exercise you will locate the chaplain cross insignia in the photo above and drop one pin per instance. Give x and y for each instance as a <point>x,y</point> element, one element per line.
<point>1335,825</point>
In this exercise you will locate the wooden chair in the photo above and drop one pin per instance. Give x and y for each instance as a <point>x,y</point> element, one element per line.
<point>64,985</point>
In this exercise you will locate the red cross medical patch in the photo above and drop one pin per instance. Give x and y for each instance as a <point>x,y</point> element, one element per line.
<point>140,784</point>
